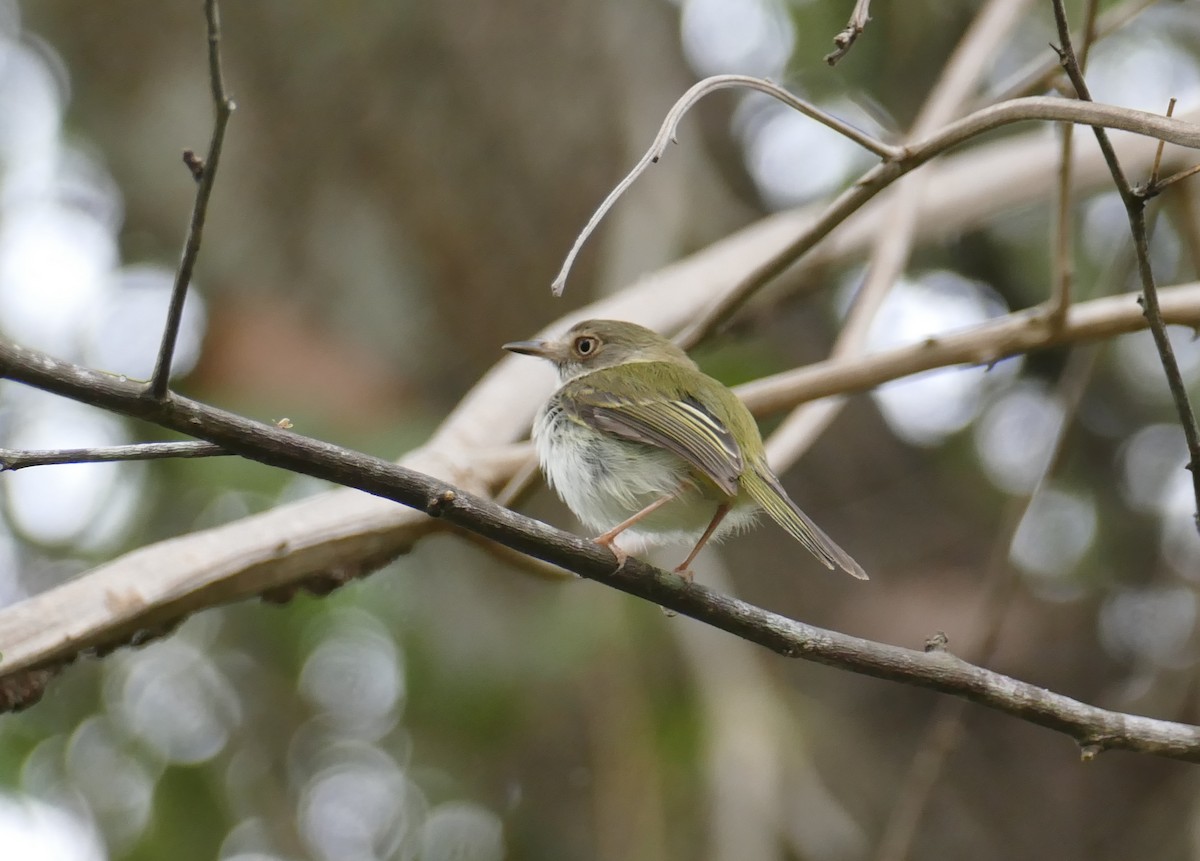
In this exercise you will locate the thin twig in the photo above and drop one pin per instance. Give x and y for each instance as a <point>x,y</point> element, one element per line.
<point>1171,180</point>
<point>11,459</point>
<point>666,135</point>
<point>1093,728</point>
<point>1135,208</point>
<point>1063,248</point>
<point>845,40</point>
<point>206,173</point>
<point>1158,153</point>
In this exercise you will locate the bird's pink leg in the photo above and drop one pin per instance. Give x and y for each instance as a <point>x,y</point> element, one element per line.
<point>607,539</point>
<point>685,569</point>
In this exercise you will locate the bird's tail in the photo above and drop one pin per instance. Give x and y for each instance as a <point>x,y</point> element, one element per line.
<point>766,490</point>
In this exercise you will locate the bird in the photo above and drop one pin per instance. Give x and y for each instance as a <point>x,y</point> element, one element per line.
<point>644,446</point>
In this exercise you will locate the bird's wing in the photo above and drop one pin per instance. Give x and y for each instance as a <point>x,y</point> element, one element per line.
<point>680,425</point>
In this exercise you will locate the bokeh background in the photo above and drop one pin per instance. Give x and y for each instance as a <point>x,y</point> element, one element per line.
<point>399,185</point>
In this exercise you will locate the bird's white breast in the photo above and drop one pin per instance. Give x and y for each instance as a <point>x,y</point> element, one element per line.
<point>604,480</point>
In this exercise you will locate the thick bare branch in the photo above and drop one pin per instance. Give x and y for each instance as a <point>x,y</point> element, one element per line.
<point>1094,729</point>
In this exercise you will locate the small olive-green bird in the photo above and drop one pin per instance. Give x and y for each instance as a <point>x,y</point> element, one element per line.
<point>639,442</point>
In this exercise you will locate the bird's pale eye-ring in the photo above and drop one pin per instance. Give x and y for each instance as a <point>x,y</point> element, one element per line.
<point>585,345</point>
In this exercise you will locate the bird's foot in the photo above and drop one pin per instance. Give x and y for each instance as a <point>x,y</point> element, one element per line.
<point>684,572</point>
<point>608,541</point>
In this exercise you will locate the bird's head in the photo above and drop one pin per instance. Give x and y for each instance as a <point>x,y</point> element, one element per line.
<point>595,344</point>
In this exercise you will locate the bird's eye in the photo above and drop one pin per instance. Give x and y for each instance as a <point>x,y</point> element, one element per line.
<point>586,345</point>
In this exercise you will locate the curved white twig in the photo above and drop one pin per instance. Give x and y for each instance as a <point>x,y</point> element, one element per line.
<point>666,134</point>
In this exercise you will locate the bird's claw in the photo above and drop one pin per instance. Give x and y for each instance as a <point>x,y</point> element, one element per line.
<point>622,556</point>
<point>685,573</point>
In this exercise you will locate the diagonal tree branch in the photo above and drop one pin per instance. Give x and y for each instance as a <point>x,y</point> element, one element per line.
<point>326,540</point>
<point>1094,729</point>
<point>897,161</point>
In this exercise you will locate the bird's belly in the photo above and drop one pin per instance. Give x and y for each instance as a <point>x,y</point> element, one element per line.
<point>605,480</point>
